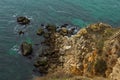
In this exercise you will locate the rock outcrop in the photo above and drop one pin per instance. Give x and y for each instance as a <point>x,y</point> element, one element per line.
<point>92,51</point>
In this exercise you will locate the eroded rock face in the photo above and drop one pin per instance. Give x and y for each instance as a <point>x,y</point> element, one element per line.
<point>26,49</point>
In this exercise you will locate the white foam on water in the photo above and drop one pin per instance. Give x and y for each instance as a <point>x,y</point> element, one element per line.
<point>15,48</point>
<point>30,17</point>
<point>15,15</point>
<point>15,30</point>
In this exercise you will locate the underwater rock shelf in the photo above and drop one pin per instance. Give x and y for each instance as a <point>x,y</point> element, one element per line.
<point>90,52</point>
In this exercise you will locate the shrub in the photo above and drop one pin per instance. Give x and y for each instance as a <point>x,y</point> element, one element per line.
<point>100,66</point>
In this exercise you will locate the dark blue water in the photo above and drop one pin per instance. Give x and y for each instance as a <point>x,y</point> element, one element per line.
<point>13,66</point>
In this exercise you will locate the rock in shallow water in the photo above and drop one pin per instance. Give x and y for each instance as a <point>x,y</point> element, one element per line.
<point>26,49</point>
<point>40,31</point>
<point>23,20</point>
<point>21,32</point>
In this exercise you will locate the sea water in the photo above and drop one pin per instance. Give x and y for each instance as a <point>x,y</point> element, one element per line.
<point>13,66</point>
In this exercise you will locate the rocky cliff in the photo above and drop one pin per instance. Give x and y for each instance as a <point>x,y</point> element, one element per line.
<point>92,51</point>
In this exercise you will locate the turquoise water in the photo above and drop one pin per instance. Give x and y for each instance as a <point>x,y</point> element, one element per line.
<point>13,66</point>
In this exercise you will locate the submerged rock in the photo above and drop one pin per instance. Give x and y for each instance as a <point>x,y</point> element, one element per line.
<point>21,32</point>
<point>42,25</point>
<point>26,49</point>
<point>23,20</point>
<point>40,31</point>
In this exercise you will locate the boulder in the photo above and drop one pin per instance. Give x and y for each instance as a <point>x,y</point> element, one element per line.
<point>23,20</point>
<point>21,32</point>
<point>26,49</point>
